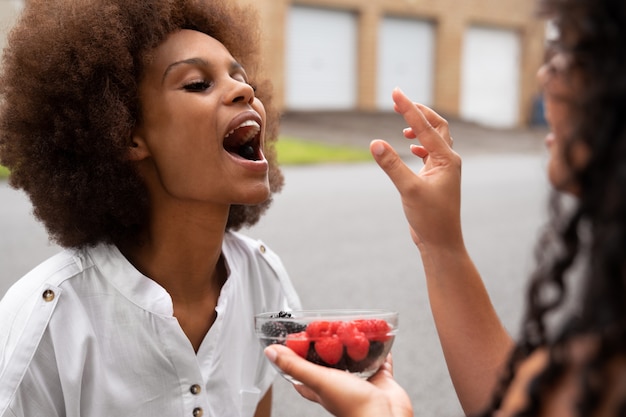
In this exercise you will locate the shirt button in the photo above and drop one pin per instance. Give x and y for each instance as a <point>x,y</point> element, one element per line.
<point>197,412</point>
<point>262,249</point>
<point>48,295</point>
<point>195,389</point>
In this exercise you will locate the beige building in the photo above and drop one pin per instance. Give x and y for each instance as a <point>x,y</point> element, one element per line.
<point>474,59</point>
<point>9,10</point>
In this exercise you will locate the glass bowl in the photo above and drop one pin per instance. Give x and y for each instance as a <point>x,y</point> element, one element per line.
<point>356,341</point>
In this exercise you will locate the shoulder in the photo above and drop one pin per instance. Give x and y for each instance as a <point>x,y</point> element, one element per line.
<point>243,247</point>
<point>32,299</point>
<point>563,396</point>
<point>52,272</point>
<point>266,266</point>
<point>26,310</point>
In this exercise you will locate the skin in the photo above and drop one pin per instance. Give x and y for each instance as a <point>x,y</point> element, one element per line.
<point>380,396</point>
<point>192,94</point>
<point>459,301</point>
<point>557,88</point>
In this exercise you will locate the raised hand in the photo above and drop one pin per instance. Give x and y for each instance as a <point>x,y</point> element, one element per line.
<point>431,198</point>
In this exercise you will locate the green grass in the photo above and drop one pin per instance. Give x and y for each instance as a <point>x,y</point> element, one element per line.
<point>295,151</point>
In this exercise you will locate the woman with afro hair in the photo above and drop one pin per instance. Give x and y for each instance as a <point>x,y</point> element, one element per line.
<point>570,356</point>
<point>144,140</point>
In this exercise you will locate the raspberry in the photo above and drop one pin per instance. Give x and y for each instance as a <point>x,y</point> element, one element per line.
<point>299,343</point>
<point>346,330</point>
<point>374,329</point>
<point>358,347</point>
<point>329,349</point>
<point>317,329</point>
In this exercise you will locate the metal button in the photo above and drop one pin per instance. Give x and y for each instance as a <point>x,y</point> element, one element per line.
<point>195,389</point>
<point>262,249</point>
<point>48,295</point>
<point>197,412</point>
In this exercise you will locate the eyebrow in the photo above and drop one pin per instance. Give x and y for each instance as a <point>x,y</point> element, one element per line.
<point>200,62</point>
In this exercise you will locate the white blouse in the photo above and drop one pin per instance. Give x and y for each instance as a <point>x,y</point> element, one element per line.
<point>86,334</point>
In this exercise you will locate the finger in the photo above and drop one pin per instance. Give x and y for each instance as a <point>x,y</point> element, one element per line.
<point>307,393</point>
<point>299,368</point>
<point>436,121</point>
<point>429,137</point>
<point>408,133</point>
<point>390,162</point>
<point>389,363</point>
<point>419,151</point>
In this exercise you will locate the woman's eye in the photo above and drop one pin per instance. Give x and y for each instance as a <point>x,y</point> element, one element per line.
<point>197,86</point>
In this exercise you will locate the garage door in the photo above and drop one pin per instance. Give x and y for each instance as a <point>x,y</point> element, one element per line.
<point>405,60</point>
<point>321,49</point>
<point>490,77</point>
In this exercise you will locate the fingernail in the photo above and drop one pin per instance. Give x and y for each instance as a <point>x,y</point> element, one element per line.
<point>270,353</point>
<point>378,148</point>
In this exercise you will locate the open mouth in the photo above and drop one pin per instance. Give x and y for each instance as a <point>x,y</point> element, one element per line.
<point>244,141</point>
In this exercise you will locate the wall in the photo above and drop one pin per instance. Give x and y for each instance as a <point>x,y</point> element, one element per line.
<point>451,18</point>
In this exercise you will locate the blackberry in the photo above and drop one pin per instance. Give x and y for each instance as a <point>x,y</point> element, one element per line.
<point>312,356</point>
<point>293,326</point>
<point>281,315</point>
<point>275,331</point>
<point>376,349</point>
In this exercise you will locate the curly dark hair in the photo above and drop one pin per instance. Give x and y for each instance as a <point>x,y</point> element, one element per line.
<point>69,87</point>
<point>584,244</point>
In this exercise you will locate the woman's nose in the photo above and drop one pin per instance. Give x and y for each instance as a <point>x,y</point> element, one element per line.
<point>240,92</point>
<point>542,75</point>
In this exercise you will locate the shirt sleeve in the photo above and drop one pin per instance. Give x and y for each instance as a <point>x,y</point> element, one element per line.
<point>20,340</point>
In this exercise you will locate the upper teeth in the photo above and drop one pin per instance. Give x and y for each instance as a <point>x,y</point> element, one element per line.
<point>251,133</point>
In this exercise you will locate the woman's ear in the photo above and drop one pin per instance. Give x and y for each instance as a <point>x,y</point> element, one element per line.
<point>138,149</point>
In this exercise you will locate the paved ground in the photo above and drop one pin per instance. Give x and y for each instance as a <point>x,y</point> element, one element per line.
<point>358,129</point>
<point>342,236</point>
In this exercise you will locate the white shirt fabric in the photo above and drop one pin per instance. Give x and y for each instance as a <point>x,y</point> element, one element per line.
<point>86,334</point>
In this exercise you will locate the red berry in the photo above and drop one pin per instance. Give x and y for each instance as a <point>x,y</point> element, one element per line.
<point>346,330</point>
<point>374,329</point>
<point>329,349</point>
<point>358,347</point>
<point>299,343</point>
<point>320,328</point>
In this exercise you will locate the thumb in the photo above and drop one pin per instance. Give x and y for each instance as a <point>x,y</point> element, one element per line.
<point>390,162</point>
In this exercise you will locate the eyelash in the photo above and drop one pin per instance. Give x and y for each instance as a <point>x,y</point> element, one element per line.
<point>197,86</point>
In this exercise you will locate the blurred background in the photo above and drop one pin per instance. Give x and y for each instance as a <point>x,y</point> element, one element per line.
<point>338,226</point>
<point>474,59</point>
<point>471,59</point>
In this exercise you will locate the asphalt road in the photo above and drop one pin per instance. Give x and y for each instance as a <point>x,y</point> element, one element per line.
<point>342,235</point>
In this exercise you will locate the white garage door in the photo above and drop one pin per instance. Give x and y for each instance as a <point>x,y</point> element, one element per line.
<point>321,59</point>
<point>490,77</point>
<point>405,60</point>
